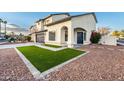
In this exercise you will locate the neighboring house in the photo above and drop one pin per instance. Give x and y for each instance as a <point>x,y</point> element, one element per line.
<point>64,30</point>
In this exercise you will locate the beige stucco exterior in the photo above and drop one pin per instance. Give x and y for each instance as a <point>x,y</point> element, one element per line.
<point>39,25</point>
<point>59,34</point>
<point>82,23</point>
<point>86,22</point>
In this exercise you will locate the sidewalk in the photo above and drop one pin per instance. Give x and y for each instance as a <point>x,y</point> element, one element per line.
<point>30,44</point>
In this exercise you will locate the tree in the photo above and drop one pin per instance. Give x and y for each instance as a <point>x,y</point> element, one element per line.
<point>116,33</point>
<point>5,22</point>
<point>104,30</point>
<point>0,25</point>
<point>95,37</point>
<point>12,34</point>
<point>20,37</point>
<point>28,38</point>
<point>6,36</point>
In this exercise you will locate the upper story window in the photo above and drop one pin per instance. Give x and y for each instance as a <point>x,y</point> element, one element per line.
<point>38,23</point>
<point>47,21</point>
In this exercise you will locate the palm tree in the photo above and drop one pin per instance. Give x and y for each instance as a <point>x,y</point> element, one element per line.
<point>0,25</point>
<point>5,22</point>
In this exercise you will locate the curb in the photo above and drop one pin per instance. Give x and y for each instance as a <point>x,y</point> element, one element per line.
<point>32,69</point>
<point>37,74</point>
<point>43,74</point>
<point>49,48</point>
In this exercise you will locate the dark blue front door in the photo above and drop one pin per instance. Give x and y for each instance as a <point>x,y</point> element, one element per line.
<point>79,37</point>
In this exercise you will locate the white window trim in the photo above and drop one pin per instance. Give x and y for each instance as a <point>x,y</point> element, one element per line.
<point>49,37</point>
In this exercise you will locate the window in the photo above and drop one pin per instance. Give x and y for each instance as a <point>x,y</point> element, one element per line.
<point>66,35</point>
<point>52,36</point>
<point>38,23</point>
<point>85,36</point>
<point>47,21</point>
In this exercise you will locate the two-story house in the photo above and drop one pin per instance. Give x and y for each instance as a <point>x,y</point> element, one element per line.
<point>64,30</point>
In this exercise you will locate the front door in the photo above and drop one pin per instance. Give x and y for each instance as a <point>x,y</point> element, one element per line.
<point>79,37</point>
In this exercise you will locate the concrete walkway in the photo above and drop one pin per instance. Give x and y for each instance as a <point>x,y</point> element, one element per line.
<point>50,48</point>
<point>15,45</point>
<point>30,44</point>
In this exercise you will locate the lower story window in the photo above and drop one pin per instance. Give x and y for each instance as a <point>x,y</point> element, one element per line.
<point>52,36</point>
<point>85,36</point>
<point>66,35</point>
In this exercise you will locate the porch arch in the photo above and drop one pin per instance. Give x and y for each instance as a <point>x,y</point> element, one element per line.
<point>64,34</point>
<point>80,35</point>
<point>79,28</point>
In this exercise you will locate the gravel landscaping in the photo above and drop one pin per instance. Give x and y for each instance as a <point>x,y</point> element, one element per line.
<point>102,63</point>
<point>12,67</point>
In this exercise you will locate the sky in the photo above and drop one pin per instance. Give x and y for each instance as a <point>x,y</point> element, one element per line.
<point>21,21</point>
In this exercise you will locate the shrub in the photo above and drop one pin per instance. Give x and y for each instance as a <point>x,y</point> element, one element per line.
<point>11,39</point>
<point>28,38</point>
<point>6,36</point>
<point>95,37</point>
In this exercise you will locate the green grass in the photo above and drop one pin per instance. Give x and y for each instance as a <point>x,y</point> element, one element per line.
<point>54,46</point>
<point>44,59</point>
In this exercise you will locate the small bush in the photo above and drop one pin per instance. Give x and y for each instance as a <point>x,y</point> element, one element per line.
<point>28,38</point>
<point>95,37</point>
<point>11,39</point>
<point>6,36</point>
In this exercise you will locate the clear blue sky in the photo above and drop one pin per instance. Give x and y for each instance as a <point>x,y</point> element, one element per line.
<point>114,20</point>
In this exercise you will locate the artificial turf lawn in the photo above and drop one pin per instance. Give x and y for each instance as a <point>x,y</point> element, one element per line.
<point>54,46</point>
<point>44,59</point>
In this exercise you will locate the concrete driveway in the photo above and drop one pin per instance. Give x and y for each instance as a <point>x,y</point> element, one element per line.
<point>16,45</point>
<point>102,63</point>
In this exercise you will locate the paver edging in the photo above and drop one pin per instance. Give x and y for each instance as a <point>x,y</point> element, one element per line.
<point>36,73</point>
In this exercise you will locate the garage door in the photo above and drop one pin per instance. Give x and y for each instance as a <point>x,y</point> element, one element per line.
<point>40,37</point>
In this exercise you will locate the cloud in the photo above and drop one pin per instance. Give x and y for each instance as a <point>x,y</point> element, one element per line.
<point>14,28</point>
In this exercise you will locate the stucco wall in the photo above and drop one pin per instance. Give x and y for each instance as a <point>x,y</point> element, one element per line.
<point>57,29</point>
<point>59,17</point>
<point>39,25</point>
<point>47,22</point>
<point>33,37</point>
<point>86,22</point>
<point>54,18</point>
<point>108,40</point>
